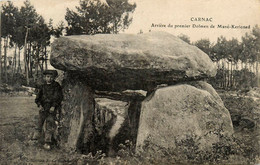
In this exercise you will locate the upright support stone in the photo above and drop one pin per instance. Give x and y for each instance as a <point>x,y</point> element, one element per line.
<point>129,128</point>
<point>174,115</point>
<point>77,114</point>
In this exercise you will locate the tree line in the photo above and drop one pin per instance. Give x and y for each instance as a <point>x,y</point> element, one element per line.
<point>29,35</point>
<point>236,61</point>
<point>24,29</point>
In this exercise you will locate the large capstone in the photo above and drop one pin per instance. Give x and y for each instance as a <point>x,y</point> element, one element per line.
<point>180,116</point>
<point>116,62</point>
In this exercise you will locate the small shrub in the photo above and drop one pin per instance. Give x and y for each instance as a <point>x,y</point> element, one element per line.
<point>127,149</point>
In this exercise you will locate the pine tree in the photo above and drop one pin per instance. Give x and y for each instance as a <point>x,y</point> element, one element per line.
<point>94,17</point>
<point>184,38</point>
<point>220,52</point>
<point>119,12</point>
<point>7,31</point>
<point>206,47</point>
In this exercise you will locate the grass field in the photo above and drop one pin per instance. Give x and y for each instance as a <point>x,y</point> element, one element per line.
<point>18,122</point>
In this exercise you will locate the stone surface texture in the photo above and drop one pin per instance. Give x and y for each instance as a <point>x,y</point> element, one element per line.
<point>116,62</point>
<point>176,113</point>
<point>77,114</point>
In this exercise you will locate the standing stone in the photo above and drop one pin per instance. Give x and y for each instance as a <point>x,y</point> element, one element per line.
<point>126,120</point>
<point>174,114</point>
<point>117,109</point>
<point>207,87</point>
<point>77,114</point>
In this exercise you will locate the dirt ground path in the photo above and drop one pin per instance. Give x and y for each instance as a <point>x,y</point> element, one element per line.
<point>18,118</point>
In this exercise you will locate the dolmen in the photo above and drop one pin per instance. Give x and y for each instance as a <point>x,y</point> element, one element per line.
<point>180,106</point>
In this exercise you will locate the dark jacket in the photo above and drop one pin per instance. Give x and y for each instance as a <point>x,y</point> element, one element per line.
<point>49,95</point>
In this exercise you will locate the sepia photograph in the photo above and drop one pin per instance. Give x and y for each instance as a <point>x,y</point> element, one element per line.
<point>129,82</point>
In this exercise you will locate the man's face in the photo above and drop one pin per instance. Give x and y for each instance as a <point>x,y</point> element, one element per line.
<point>49,78</point>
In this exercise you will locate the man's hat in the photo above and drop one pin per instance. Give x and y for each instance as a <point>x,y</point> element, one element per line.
<point>54,73</point>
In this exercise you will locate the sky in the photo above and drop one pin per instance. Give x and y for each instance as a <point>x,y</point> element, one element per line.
<point>150,13</point>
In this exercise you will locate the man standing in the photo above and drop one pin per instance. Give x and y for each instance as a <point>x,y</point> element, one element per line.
<point>49,97</point>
